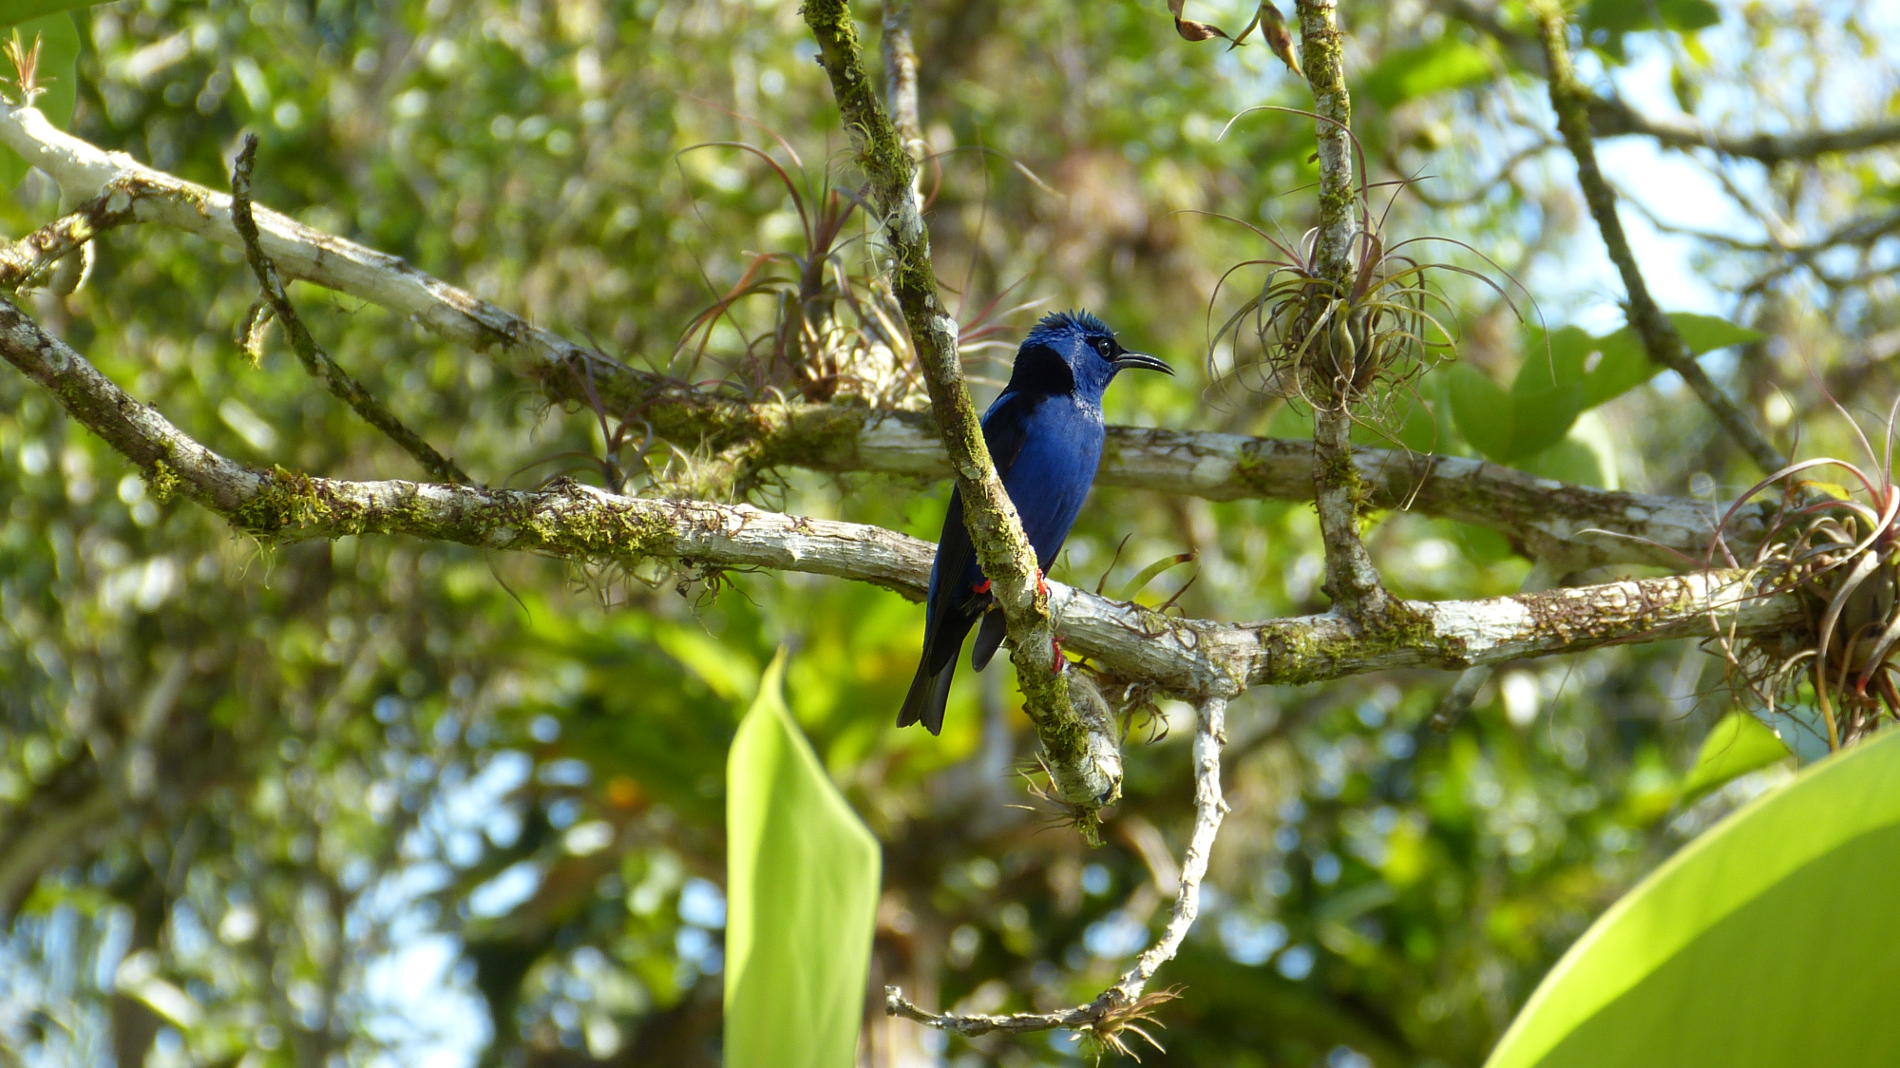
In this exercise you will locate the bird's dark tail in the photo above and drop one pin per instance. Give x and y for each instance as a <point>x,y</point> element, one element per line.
<point>927,697</point>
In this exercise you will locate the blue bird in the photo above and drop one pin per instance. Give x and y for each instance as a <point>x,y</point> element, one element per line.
<point>1045,437</point>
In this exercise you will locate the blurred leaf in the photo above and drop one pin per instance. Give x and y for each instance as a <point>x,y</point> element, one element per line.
<point>16,12</point>
<point>1706,333</point>
<point>802,886</point>
<point>1570,460</point>
<point>1766,941</point>
<point>1542,409</point>
<point>1737,745</point>
<point>1482,409</point>
<point>1626,16</point>
<point>1433,67</point>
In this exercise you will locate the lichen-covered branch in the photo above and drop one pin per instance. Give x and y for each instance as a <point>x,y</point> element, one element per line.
<point>1122,1007</point>
<point>1192,658</point>
<point>1611,117</point>
<point>84,170</point>
<point>1577,526</point>
<point>1351,579</point>
<point>1085,764</point>
<point>1658,335</point>
<point>27,259</point>
<point>316,361</point>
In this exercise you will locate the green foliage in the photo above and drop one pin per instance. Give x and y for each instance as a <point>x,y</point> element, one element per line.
<point>1433,67</point>
<point>1565,373</point>
<point>1766,941</point>
<point>802,886</point>
<point>1737,744</point>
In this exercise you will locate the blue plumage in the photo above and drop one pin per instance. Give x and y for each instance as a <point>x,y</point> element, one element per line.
<point>1045,436</point>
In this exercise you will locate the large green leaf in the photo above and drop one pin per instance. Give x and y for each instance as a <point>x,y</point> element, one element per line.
<point>1767,941</point>
<point>1481,409</point>
<point>801,889</point>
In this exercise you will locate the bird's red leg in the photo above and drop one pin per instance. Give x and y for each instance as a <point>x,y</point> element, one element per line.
<point>1041,586</point>
<point>1055,644</point>
<point>981,587</point>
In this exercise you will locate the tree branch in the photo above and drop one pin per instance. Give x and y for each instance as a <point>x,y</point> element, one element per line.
<point>316,361</point>
<point>1085,764</point>
<point>900,80</point>
<point>83,170</point>
<point>1613,117</point>
<point>1193,658</point>
<point>26,259</point>
<point>1122,1007</point>
<point>1658,334</point>
<point>1574,526</point>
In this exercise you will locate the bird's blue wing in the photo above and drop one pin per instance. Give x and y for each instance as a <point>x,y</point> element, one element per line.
<point>953,604</point>
<point>1048,479</point>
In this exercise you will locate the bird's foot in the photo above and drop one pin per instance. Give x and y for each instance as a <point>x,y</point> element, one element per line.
<point>1055,646</point>
<point>1041,586</point>
<point>981,587</point>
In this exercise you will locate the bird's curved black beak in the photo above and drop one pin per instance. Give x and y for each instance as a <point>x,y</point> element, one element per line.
<point>1141,359</point>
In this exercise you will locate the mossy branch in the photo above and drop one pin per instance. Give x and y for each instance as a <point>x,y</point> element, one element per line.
<point>1578,526</point>
<point>1192,658</point>
<point>1658,335</point>
<point>1351,579</point>
<point>1084,763</point>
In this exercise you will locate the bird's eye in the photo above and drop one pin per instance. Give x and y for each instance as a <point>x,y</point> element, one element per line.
<point>1104,346</point>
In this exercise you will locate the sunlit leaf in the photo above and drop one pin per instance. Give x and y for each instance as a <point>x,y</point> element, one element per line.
<point>1482,410</point>
<point>1706,333</point>
<point>1433,67</point>
<point>1767,941</point>
<point>1737,745</point>
<point>802,885</point>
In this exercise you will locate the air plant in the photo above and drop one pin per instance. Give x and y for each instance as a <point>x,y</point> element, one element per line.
<point>1343,348</point>
<point>1837,549</point>
<point>835,326</point>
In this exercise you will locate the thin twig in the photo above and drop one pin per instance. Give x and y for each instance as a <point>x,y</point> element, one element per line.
<point>1122,1005</point>
<point>27,259</point>
<point>1658,335</point>
<point>315,360</point>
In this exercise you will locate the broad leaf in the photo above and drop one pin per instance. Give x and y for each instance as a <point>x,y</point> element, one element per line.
<point>1768,941</point>
<point>1737,745</point>
<point>1625,16</point>
<point>1706,333</point>
<point>801,888</point>
<point>1444,63</point>
<point>1481,409</point>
